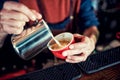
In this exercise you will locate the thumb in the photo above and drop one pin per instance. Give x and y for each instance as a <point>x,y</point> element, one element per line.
<point>79,38</point>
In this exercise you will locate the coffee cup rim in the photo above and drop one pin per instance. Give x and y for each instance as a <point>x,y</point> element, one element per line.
<point>72,38</point>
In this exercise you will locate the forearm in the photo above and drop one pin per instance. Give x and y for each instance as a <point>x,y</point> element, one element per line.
<point>92,33</point>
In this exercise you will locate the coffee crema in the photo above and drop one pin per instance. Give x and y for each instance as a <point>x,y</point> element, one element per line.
<point>55,46</point>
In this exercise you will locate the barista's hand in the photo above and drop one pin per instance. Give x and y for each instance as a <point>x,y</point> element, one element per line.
<point>80,50</point>
<point>14,16</point>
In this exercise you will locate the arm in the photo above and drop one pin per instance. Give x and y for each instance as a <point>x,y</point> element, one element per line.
<point>92,33</point>
<point>89,20</point>
<point>85,43</point>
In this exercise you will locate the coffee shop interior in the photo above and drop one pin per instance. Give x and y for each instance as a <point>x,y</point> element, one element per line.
<point>51,68</point>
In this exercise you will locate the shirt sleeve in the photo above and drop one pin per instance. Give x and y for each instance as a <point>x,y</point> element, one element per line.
<point>87,15</point>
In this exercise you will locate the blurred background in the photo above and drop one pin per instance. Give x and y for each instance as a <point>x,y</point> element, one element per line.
<point>108,13</point>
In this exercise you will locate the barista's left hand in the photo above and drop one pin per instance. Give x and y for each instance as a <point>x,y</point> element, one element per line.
<point>80,50</point>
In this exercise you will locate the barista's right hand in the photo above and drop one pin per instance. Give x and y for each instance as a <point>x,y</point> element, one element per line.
<point>14,16</point>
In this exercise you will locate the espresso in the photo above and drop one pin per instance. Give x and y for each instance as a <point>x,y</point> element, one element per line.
<point>62,42</point>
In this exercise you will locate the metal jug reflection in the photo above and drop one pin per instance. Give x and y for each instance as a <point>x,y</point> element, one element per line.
<point>31,41</point>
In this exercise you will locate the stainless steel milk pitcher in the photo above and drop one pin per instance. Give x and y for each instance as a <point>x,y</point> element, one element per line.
<point>32,40</point>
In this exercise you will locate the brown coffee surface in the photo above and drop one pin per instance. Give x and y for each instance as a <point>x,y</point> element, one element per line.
<point>62,42</point>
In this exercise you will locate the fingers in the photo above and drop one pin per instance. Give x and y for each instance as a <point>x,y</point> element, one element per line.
<point>79,45</point>
<point>81,42</point>
<point>11,30</point>
<point>76,59</point>
<point>38,16</point>
<point>14,16</point>
<point>10,5</point>
<point>77,35</point>
<point>79,38</point>
<point>14,23</point>
<point>7,14</point>
<point>75,56</point>
<point>12,26</point>
<point>79,51</point>
<point>17,11</point>
<point>72,52</point>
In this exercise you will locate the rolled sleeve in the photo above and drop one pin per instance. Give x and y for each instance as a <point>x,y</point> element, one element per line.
<point>87,15</point>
